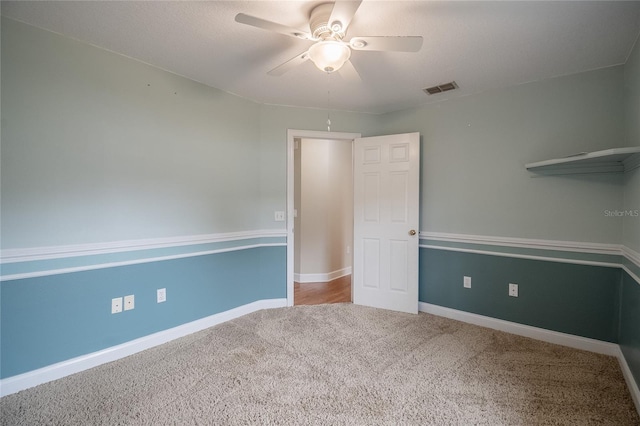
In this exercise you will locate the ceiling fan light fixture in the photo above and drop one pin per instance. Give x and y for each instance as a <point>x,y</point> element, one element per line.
<point>329,56</point>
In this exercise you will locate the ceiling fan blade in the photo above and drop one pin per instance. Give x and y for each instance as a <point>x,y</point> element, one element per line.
<point>393,44</point>
<point>343,11</point>
<point>271,26</point>
<point>349,72</point>
<point>291,63</point>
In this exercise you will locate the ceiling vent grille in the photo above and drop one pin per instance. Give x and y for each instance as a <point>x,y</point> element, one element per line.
<point>441,88</point>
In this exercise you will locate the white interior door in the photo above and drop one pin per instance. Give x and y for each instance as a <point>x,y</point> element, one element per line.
<point>386,203</point>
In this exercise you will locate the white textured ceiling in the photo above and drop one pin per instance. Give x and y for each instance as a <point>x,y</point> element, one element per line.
<point>480,45</point>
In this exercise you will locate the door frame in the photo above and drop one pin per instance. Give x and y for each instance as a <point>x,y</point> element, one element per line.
<point>291,135</point>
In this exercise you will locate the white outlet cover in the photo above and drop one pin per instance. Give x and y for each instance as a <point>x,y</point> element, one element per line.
<point>116,305</point>
<point>466,282</point>
<point>162,295</point>
<point>513,290</point>
<point>279,216</point>
<point>129,302</point>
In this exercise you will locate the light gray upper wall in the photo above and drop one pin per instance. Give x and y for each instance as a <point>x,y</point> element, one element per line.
<point>474,151</point>
<point>631,224</point>
<point>99,147</point>
<point>632,96</point>
<point>274,122</point>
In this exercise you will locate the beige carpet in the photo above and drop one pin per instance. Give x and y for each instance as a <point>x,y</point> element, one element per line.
<point>338,364</point>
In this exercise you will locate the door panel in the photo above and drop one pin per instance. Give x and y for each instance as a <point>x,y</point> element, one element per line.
<point>371,263</point>
<point>386,203</point>
<point>398,197</point>
<point>371,197</point>
<point>398,265</point>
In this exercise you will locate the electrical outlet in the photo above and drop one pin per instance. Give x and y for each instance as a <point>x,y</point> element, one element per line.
<point>116,305</point>
<point>513,290</point>
<point>279,216</point>
<point>161,295</point>
<point>348,249</point>
<point>129,302</point>
<point>466,282</point>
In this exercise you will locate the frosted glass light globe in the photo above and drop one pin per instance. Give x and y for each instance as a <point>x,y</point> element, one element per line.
<point>329,56</point>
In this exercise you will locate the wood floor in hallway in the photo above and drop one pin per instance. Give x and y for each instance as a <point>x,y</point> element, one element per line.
<point>336,291</point>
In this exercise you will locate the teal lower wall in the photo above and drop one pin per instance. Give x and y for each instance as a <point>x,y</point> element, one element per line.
<point>53,318</point>
<point>629,338</point>
<point>577,299</point>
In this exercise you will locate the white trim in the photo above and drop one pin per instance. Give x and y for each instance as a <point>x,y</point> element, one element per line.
<point>320,134</point>
<point>525,256</point>
<point>631,162</point>
<point>631,254</point>
<point>129,262</point>
<point>290,214</point>
<point>529,243</point>
<point>58,252</point>
<point>56,371</point>
<point>575,246</point>
<point>322,277</point>
<point>564,339</point>
<point>628,377</point>
<point>291,135</point>
<point>628,271</point>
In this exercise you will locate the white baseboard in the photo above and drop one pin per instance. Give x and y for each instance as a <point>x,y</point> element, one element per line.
<point>628,377</point>
<point>321,278</point>
<point>75,365</point>
<point>564,339</point>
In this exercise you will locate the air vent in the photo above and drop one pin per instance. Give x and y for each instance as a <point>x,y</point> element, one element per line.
<point>441,88</point>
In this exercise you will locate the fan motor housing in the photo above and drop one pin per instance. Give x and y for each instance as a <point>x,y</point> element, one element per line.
<point>319,23</point>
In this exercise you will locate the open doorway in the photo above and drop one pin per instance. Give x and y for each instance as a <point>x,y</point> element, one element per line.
<point>320,217</point>
<point>323,220</point>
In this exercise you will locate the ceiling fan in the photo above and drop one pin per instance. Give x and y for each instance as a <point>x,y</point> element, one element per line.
<point>328,24</point>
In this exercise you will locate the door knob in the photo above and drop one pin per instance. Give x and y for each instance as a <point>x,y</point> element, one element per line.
<point>412,232</point>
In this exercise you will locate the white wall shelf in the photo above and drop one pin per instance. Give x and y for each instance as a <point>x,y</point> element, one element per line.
<point>615,160</point>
